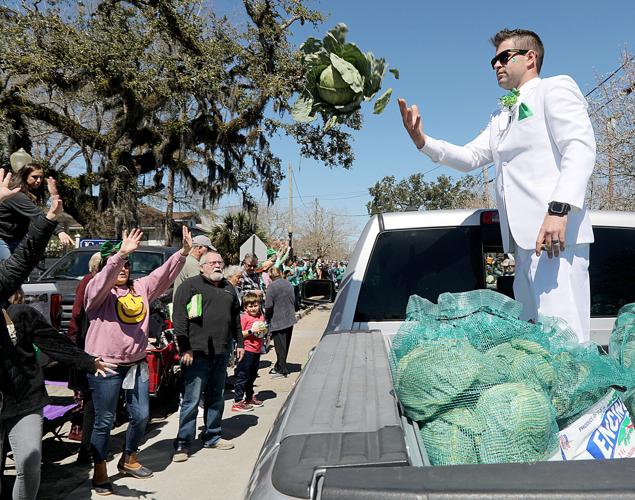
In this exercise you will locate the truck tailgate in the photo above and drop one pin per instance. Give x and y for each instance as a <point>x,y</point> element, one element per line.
<point>578,480</point>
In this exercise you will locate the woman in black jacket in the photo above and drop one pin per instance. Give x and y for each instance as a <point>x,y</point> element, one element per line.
<point>17,213</point>
<point>22,392</point>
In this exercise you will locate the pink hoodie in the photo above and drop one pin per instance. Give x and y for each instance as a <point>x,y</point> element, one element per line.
<point>118,328</point>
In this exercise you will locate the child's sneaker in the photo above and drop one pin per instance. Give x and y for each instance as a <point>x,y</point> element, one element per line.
<point>242,407</point>
<point>255,402</point>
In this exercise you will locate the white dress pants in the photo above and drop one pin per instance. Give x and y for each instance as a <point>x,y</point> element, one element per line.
<point>555,287</point>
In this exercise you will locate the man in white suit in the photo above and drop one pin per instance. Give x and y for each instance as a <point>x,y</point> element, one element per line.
<point>543,147</point>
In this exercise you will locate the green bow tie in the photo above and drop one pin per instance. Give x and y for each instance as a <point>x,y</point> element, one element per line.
<point>509,99</point>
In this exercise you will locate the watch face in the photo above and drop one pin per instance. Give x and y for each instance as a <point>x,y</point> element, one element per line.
<point>557,207</point>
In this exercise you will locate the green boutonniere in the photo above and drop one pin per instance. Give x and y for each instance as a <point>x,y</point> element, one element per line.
<point>509,99</point>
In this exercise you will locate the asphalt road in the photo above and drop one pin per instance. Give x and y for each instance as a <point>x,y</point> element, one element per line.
<point>208,474</point>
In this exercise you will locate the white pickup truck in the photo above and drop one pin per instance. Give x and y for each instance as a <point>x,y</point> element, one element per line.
<point>341,433</point>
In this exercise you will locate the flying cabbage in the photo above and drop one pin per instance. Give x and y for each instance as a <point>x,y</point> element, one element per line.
<point>338,78</point>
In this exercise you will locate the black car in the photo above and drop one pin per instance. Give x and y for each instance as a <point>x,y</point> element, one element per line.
<point>68,271</point>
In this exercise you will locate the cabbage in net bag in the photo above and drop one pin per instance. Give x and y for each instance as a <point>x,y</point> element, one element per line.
<point>487,387</point>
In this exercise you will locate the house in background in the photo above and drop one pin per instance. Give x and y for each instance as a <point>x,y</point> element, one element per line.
<point>151,222</point>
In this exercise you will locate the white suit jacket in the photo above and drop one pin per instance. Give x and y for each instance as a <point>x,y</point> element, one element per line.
<point>548,156</point>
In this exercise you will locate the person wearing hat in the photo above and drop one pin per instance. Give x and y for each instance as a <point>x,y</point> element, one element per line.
<point>201,244</point>
<point>117,308</point>
<point>17,213</point>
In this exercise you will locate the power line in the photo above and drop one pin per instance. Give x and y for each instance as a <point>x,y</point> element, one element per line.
<point>609,77</point>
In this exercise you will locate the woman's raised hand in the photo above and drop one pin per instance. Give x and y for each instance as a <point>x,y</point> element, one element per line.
<point>130,242</point>
<point>5,191</point>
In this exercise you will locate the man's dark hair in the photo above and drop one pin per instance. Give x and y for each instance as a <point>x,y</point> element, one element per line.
<point>524,39</point>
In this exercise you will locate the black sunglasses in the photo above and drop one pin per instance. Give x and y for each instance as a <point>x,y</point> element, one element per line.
<point>506,55</point>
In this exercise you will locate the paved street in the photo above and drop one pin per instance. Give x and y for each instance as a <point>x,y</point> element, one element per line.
<point>208,474</point>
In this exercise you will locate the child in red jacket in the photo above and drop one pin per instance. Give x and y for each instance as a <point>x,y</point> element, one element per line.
<point>254,330</point>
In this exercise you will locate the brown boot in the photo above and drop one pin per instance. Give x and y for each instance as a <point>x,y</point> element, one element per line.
<point>101,483</point>
<point>128,464</point>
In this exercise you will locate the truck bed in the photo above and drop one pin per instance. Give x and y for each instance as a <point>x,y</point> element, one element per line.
<point>341,436</point>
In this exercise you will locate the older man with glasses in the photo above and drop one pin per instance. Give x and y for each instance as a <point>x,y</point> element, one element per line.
<point>252,281</point>
<point>542,144</point>
<point>206,321</point>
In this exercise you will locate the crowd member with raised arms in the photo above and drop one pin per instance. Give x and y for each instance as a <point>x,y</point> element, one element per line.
<point>22,391</point>
<point>18,212</point>
<point>118,308</point>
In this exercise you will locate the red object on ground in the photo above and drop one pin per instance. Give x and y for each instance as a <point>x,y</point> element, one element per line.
<point>160,364</point>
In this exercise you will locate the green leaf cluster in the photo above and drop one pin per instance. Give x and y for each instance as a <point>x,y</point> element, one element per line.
<point>338,78</point>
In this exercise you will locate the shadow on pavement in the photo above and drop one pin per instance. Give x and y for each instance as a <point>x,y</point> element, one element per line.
<point>238,424</point>
<point>159,455</point>
<point>266,394</point>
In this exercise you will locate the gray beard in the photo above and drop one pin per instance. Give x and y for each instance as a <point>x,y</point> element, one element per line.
<point>216,276</point>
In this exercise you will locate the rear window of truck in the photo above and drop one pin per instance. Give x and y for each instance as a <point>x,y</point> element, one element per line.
<point>612,270</point>
<point>428,262</point>
<point>425,262</point>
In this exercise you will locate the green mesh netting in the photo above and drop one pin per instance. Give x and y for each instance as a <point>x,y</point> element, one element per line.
<point>622,345</point>
<point>451,438</point>
<point>487,387</point>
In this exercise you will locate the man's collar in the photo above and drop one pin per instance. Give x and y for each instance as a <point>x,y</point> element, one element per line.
<point>218,284</point>
<point>529,85</point>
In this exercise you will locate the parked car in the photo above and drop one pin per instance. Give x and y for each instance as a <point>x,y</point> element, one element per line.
<point>341,433</point>
<point>65,274</point>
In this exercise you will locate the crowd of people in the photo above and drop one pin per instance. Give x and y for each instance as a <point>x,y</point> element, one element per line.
<point>219,312</point>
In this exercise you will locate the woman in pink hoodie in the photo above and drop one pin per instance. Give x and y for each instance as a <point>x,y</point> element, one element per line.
<point>118,312</point>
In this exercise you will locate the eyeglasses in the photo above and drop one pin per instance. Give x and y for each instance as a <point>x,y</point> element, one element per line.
<point>506,55</point>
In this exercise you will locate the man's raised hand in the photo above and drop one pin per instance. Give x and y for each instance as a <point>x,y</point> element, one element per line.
<point>412,123</point>
<point>130,242</point>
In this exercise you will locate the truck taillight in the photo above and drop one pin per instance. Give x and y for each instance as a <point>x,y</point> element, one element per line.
<point>490,217</point>
<point>56,311</point>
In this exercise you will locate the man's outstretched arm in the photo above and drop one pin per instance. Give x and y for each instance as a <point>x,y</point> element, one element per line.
<point>474,154</point>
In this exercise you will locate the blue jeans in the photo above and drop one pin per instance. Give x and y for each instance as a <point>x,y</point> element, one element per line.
<point>105,391</point>
<point>7,247</point>
<point>205,374</point>
<point>245,376</point>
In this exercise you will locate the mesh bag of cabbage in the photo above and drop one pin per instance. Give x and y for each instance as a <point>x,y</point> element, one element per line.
<point>487,387</point>
<point>622,345</point>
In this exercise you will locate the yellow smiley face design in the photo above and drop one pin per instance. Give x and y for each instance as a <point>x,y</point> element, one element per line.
<point>131,309</point>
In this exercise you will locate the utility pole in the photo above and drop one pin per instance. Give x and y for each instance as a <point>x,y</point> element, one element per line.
<point>290,176</point>
<point>486,186</point>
